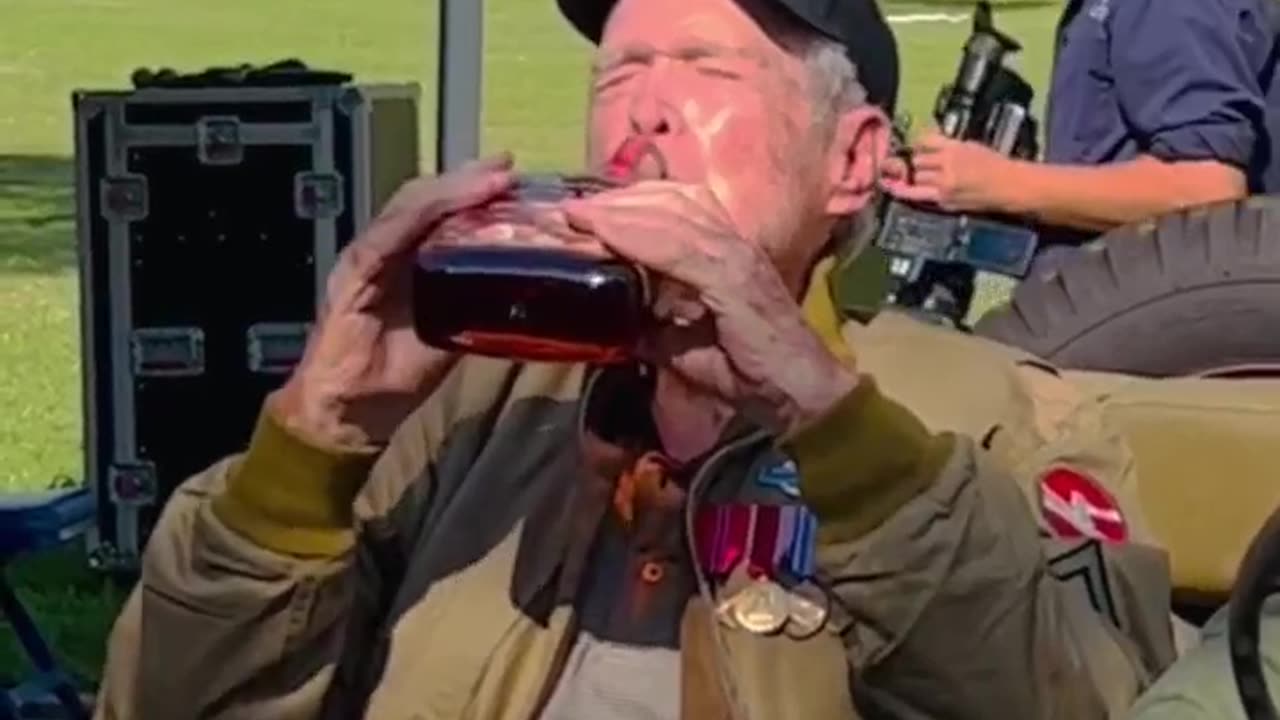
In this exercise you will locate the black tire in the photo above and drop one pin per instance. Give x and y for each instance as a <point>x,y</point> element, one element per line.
<point>1190,292</point>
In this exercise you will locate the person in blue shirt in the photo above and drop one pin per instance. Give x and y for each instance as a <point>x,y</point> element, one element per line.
<point>1153,106</point>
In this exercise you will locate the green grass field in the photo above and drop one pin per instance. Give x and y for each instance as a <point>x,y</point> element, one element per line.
<point>533,105</point>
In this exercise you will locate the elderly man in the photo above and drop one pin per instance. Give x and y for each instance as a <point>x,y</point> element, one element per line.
<point>744,526</point>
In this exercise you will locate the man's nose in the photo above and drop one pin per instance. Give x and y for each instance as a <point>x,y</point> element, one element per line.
<point>651,113</point>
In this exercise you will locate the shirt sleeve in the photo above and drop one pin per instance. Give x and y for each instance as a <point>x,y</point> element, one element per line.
<point>1201,684</point>
<point>1184,80</point>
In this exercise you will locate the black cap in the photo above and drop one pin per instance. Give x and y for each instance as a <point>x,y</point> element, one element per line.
<point>858,25</point>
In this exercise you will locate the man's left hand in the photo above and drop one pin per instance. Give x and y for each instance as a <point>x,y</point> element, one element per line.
<point>955,175</point>
<point>752,346</point>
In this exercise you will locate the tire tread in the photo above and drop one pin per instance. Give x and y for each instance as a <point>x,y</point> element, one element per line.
<point>1161,273</point>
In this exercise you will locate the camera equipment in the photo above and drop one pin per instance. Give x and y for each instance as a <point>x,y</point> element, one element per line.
<point>933,254</point>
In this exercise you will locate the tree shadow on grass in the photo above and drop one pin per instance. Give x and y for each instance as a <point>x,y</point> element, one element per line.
<point>37,214</point>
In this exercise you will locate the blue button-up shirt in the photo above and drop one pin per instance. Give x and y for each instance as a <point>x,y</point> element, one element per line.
<point>1176,79</point>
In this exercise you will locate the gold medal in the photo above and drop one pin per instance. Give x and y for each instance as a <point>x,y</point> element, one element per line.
<point>807,610</point>
<point>724,613</point>
<point>761,608</point>
<point>727,599</point>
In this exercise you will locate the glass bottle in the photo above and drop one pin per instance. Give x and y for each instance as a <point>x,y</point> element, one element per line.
<point>506,280</point>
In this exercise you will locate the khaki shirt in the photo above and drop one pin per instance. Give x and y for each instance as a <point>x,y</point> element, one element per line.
<point>1201,684</point>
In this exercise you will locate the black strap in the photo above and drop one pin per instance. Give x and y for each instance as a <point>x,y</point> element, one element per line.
<point>1255,582</point>
<point>291,72</point>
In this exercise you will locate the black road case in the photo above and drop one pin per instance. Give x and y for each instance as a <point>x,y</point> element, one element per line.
<point>208,219</point>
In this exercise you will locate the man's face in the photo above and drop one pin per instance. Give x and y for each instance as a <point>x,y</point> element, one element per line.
<point>728,107</point>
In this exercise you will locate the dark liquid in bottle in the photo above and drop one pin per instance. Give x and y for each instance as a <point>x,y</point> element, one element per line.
<point>529,303</point>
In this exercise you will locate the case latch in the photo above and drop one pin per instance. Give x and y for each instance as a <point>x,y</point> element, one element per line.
<point>317,196</point>
<point>218,140</point>
<point>134,483</point>
<point>123,198</point>
<point>275,348</point>
<point>168,352</point>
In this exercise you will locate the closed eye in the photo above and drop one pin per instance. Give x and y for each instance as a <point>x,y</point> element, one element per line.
<point>614,80</point>
<point>712,61</point>
<point>718,72</point>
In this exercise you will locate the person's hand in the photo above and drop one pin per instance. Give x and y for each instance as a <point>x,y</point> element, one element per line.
<point>751,345</point>
<point>955,175</point>
<point>364,369</point>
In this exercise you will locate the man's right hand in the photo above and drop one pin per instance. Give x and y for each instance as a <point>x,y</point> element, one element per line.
<point>955,175</point>
<point>365,370</point>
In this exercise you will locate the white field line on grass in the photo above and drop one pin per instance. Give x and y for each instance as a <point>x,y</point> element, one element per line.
<point>908,18</point>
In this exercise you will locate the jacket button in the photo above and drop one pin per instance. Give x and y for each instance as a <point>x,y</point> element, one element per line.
<point>652,572</point>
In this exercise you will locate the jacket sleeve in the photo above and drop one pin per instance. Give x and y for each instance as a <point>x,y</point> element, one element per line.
<point>252,583</point>
<point>954,598</point>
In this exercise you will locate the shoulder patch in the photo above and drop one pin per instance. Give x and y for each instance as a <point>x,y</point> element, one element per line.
<point>1075,506</point>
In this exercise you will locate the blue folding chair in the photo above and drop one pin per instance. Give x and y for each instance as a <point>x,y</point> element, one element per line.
<point>30,523</point>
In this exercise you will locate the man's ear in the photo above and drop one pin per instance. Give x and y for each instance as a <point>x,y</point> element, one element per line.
<point>858,150</point>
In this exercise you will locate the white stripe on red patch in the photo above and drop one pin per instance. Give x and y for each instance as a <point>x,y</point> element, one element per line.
<point>1075,506</point>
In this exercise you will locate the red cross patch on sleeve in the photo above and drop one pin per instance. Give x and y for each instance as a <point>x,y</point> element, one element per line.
<point>1075,506</point>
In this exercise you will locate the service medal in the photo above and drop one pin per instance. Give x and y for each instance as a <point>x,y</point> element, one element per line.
<point>725,612</point>
<point>734,585</point>
<point>761,608</point>
<point>807,610</point>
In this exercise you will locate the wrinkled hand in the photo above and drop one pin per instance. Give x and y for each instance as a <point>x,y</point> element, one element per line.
<point>364,369</point>
<point>955,175</point>
<point>743,337</point>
